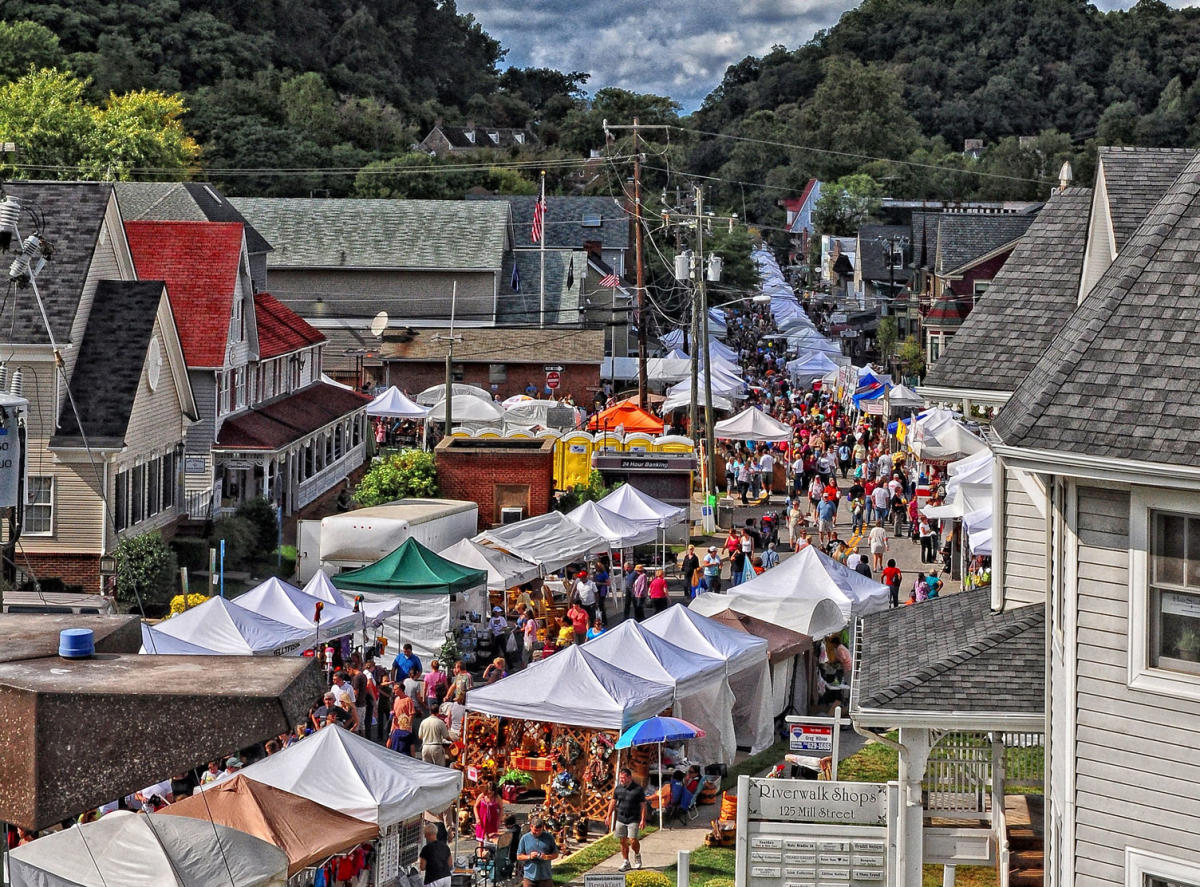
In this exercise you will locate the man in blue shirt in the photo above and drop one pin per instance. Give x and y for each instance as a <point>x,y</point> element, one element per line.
<point>536,849</point>
<point>404,663</point>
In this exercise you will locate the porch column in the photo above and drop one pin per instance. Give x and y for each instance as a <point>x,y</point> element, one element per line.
<point>910,838</point>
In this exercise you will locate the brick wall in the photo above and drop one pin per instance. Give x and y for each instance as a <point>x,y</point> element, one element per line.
<point>473,469</point>
<point>581,381</point>
<point>72,569</point>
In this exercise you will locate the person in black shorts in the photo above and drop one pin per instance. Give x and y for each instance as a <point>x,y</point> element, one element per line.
<point>627,816</point>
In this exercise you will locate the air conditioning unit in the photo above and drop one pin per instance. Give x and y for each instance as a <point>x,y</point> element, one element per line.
<point>512,514</point>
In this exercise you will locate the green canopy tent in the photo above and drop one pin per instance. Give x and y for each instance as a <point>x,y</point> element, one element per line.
<point>434,592</point>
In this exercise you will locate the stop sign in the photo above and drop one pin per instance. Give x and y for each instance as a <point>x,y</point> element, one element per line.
<point>552,380</point>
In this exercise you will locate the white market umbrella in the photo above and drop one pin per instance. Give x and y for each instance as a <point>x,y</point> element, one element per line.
<point>392,404</point>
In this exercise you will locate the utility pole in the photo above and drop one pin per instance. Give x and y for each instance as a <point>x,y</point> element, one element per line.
<point>642,324</point>
<point>450,339</point>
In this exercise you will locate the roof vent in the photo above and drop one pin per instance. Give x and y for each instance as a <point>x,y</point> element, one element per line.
<point>76,643</point>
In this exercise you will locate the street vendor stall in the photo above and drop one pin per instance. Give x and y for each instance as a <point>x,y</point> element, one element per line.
<point>745,666</point>
<point>434,594</point>
<point>308,832</point>
<point>558,721</point>
<point>147,850</point>
<point>357,777</point>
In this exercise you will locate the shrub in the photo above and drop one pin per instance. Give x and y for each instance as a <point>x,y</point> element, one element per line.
<point>145,566</point>
<point>400,475</point>
<point>646,878</point>
<point>261,514</point>
<point>241,538</point>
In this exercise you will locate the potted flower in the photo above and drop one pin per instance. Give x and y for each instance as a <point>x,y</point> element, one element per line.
<point>512,782</point>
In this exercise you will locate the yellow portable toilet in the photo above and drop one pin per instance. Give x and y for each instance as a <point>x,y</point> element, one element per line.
<point>674,443</point>
<point>639,442</point>
<point>572,459</point>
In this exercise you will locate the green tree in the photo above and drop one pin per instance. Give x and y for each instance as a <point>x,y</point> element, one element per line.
<point>845,205</point>
<point>401,475</point>
<point>145,568</point>
<point>25,45</point>
<point>44,112</point>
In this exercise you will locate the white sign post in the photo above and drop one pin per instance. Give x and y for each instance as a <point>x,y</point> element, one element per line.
<point>809,833</point>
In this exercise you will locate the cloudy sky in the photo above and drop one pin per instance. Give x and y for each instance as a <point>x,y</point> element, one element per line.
<point>678,48</point>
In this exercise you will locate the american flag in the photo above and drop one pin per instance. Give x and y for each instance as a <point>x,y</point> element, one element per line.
<point>610,280</point>
<point>539,214</point>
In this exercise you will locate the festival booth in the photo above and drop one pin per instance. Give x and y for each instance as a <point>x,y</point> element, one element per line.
<point>746,667</point>
<point>147,850</point>
<point>219,628</point>
<point>308,832</point>
<point>620,531</point>
<point>434,594</point>
<point>504,571</point>
<point>557,721</point>
<point>702,693</point>
<point>628,416</point>
<point>752,424</point>
<point>285,603</point>
<point>355,776</point>
<point>792,657</point>
<point>809,593</point>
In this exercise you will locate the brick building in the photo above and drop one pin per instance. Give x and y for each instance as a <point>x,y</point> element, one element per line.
<point>497,474</point>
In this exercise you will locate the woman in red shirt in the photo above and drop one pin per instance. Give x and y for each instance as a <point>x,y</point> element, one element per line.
<point>658,592</point>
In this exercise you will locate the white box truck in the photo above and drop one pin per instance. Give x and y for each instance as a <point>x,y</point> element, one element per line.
<point>357,538</point>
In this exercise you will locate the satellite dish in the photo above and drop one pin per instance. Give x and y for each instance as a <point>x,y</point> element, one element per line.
<point>379,324</point>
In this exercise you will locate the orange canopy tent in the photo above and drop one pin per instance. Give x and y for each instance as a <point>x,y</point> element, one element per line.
<point>307,832</point>
<point>628,415</point>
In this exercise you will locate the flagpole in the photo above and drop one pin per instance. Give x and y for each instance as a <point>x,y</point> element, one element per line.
<point>542,256</point>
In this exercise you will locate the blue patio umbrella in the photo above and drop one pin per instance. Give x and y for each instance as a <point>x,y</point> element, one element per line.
<point>656,731</point>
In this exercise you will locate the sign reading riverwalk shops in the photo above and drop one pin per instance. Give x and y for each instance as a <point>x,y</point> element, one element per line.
<point>809,833</point>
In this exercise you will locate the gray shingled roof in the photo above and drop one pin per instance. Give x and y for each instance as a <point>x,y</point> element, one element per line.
<point>952,654</point>
<point>562,304</point>
<point>1120,380</point>
<point>73,213</point>
<point>1025,306</point>
<point>108,369</point>
<point>183,202</point>
<point>963,238</point>
<point>1136,179</point>
<point>875,243</point>
<point>564,220</point>
<point>443,235</point>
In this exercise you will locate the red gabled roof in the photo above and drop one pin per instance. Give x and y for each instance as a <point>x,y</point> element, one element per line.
<point>280,329</point>
<point>199,262</point>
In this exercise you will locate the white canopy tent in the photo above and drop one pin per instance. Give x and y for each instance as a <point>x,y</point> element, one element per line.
<point>218,627</point>
<point>746,666</point>
<point>467,408</point>
<point>148,850</point>
<point>620,531</point>
<point>435,393</point>
<point>702,694</point>
<point>320,587</point>
<point>752,424</point>
<point>358,777</point>
<point>573,687</point>
<point>683,399</point>
<point>504,571</point>
<point>550,540</point>
<point>285,603</point>
<point>392,404</point>
<point>631,503</point>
